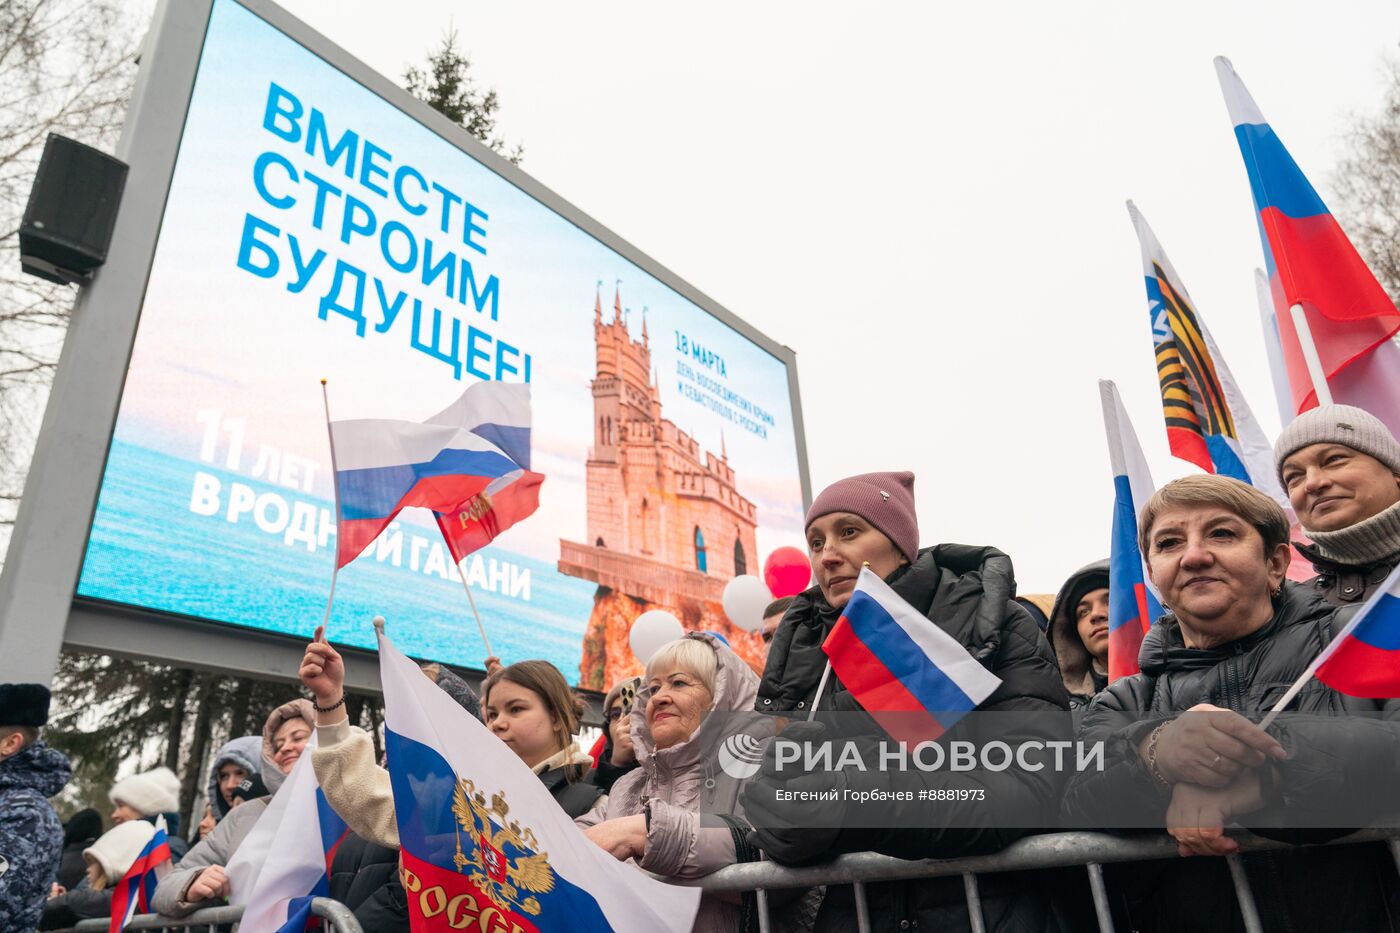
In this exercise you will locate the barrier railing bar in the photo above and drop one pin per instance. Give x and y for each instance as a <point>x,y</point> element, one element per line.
<point>1100,892</point>
<point>340,916</point>
<point>1245,895</point>
<point>862,909</point>
<point>1047,851</point>
<point>974,903</point>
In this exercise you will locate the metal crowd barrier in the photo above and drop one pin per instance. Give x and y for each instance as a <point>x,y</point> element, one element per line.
<point>338,919</point>
<point>1057,850</point>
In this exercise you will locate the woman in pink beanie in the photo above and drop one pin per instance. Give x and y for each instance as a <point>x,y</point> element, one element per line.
<point>966,591</point>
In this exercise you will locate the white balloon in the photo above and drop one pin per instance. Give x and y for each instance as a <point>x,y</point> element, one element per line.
<point>651,630</point>
<point>745,598</point>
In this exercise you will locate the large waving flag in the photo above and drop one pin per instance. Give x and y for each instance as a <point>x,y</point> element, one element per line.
<point>135,892</point>
<point>915,679</point>
<point>1311,263</point>
<point>483,841</point>
<point>1208,421</point>
<point>385,465</point>
<point>500,413</point>
<point>285,859</point>
<point>1133,604</point>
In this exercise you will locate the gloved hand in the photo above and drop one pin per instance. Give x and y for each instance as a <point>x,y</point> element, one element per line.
<point>788,827</point>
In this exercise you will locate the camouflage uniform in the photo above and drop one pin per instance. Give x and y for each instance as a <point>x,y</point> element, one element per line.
<point>31,837</point>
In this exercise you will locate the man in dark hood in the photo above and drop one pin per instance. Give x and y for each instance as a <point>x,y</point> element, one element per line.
<point>31,836</point>
<point>1079,633</point>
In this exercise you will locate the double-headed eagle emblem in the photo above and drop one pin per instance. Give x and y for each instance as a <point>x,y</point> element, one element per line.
<point>497,864</point>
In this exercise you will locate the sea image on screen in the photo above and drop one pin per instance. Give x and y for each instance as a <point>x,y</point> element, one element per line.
<point>315,231</point>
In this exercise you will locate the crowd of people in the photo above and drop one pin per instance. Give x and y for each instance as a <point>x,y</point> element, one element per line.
<point>1182,739</point>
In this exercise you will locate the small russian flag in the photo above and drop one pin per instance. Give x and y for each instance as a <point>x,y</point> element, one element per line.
<point>1363,660</point>
<point>135,892</point>
<point>915,679</point>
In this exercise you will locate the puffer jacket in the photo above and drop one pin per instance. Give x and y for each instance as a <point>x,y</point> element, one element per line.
<point>31,837</point>
<point>1076,665</point>
<point>684,781</point>
<point>968,592</point>
<point>1343,888</point>
<point>246,753</point>
<point>1346,584</point>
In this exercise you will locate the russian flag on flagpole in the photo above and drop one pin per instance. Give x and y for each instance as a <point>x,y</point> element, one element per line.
<point>136,891</point>
<point>1209,423</point>
<point>1311,263</point>
<point>1133,604</point>
<point>385,465</point>
<point>912,677</point>
<point>1363,660</point>
<point>484,842</point>
<point>499,412</point>
<point>285,859</point>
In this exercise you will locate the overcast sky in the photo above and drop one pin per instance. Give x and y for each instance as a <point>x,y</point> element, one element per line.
<point>926,202</point>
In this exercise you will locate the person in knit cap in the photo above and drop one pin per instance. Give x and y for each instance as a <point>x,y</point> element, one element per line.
<point>148,796</point>
<point>1341,468</point>
<point>108,860</point>
<point>31,836</point>
<point>967,592</point>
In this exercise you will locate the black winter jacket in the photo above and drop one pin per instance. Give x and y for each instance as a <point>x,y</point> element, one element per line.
<point>1348,888</point>
<point>968,593</point>
<point>363,877</point>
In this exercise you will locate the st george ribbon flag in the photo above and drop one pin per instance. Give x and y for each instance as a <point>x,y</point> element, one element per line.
<point>500,413</point>
<point>1311,263</point>
<point>442,464</point>
<point>483,843</point>
<point>135,892</point>
<point>912,677</point>
<point>1209,423</point>
<point>1363,660</point>
<point>1133,604</point>
<point>285,859</point>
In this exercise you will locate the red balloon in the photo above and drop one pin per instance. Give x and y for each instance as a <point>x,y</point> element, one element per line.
<point>787,572</point>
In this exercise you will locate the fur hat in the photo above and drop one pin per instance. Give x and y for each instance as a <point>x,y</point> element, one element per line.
<point>885,500</point>
<point>148,793</point>
<point>24,705</point>
<point>118,848</point>
<point>1346,425</point>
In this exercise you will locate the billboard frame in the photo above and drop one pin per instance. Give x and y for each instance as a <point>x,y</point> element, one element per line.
<point>39,612</point>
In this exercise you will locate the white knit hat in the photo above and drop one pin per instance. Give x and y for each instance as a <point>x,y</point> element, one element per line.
<point>148,793</point>
<point>1346,425</point>
<point>118,848</point>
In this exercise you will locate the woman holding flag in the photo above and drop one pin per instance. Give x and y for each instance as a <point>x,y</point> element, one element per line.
<point>1181,750</point>
<point>962,597</point>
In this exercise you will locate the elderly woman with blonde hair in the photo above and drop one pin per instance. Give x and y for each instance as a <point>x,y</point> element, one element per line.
<point>678,814</point>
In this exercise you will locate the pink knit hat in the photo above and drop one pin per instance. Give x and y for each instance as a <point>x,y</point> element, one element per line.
<point>885,500</point>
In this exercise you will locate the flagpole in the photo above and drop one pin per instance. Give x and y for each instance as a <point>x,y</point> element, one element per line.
<point>471,599</point>
<point>1310,356</point>
<point>820,688</point>
<point>335,493</point>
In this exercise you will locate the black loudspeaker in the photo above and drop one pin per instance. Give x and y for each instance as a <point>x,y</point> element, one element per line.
<point>72,208</point>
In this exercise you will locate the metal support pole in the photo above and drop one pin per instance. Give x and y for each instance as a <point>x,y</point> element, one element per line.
<point>1316,373</point>
<point>1248,909</point>
<point>974,903</point>
<point>862,910</point>
<point>1100,892</point>
<point>764,921</point>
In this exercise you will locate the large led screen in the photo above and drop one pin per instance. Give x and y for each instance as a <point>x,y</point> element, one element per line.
<point>315,230</point>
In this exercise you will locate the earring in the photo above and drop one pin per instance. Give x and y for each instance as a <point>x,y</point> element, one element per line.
<point>1278,592</point>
